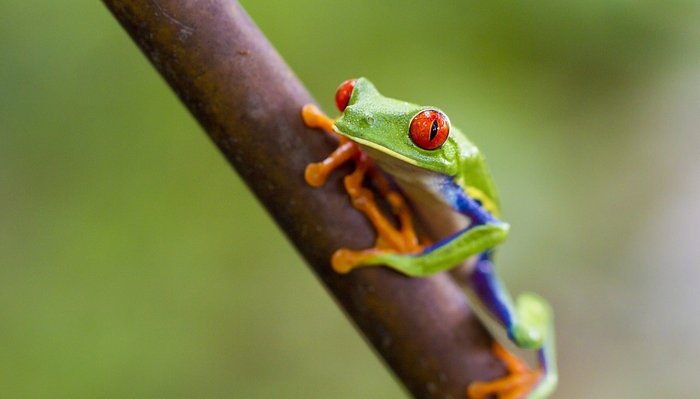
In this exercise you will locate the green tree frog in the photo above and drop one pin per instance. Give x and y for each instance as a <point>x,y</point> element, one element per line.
<point>445,178</point>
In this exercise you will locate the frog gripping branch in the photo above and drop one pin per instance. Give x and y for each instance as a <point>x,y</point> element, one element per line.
<point>443,175</point>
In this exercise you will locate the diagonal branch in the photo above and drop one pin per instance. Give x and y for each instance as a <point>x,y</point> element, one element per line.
<point>248,101</point>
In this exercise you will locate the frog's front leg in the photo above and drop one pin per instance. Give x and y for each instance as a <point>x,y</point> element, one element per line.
<point>389,239</point>
<point>317,173</point>
<point>403,240</point>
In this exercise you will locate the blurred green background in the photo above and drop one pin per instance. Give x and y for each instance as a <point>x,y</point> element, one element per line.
<point>134,263</point>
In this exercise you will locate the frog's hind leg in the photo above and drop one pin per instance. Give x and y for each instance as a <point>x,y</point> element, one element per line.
<point>529,324</point>
<point>520,383</point>
<point>516,385</point>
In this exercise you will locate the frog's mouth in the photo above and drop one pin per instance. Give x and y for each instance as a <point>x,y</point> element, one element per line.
<point>377,147</point>
<point>401,168</point>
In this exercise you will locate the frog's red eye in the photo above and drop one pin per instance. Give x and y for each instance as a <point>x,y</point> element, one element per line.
<point>342,96</point>
<point>429,129</point>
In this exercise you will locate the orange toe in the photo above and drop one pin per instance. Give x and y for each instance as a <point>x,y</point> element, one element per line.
<point>516,385</point>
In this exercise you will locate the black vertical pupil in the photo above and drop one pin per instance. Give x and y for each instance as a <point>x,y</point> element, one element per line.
<point>433,129</point>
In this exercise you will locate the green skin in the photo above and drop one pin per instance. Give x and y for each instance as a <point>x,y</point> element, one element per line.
<point>380,125</point>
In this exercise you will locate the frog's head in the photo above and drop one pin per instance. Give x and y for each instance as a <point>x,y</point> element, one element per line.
<point>395,131</point>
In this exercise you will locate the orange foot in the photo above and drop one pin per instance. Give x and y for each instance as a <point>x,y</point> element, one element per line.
<point>390,239</point>
<point>516,385</point>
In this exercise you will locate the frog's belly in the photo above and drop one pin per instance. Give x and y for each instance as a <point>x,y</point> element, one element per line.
<point>440,221</point>
<point>423,188</point>
<point>438,218</point>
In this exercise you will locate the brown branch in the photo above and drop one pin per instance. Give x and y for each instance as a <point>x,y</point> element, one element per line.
<point>248,101</point>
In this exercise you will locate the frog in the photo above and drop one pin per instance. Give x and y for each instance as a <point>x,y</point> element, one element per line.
<point>435,171</point>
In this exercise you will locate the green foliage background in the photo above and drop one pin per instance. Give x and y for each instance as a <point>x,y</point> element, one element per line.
<point>135,264</point>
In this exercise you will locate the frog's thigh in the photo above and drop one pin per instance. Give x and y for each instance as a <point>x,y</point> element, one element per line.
<point>443,255</point>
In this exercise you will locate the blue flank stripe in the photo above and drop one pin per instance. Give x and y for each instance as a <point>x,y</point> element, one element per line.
<point>458,199</point>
